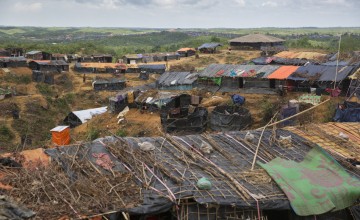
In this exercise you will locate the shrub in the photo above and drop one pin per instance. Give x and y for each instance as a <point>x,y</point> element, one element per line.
<point>6,134</point>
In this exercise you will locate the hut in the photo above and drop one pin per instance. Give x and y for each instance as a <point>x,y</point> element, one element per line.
<point>38,55</point>
<point>76,118</point>
<point>49,65</point>
<point>210,176</point>
<point>279,77</point>
<point>186,52</point>
<point>43,76</point>
<point>102,58</point>
<point>152,68</point>
<point>59,56</point>
<point>177,81</point>
<point>13,62</point>
<point>230,118</point>
<point>108,84</point>
<point>180,114</point>
<point>321,77</point>
<point>60,135</point>
<point>83,67</point>
<point>15,51</point>
<point>268,44</point>
<point>133,59</point>
<point>209,47</point>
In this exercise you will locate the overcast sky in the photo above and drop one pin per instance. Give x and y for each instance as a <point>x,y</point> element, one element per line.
<point>181,13</point>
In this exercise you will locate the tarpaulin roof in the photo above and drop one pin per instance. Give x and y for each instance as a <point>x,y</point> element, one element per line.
<point>152,66</point>
<point>33,52</point>
<point>177,78</point>
<point>256,38</point>
<point>230,70</point>
<point>108,81</point>
<point>320,73</point>
<point>85,115</point>
<point>210,45</point>
<point>12,59</point>
<point>283,72</point>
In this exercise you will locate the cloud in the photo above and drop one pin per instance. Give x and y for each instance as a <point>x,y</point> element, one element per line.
<point>35,6</point>
<point>269,4</point>
<point>147,3</point>
<point>240,3</point>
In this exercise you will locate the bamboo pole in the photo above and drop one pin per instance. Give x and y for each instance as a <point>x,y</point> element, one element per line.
<point>293,116</point>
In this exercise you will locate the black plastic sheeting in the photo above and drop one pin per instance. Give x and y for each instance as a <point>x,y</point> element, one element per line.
<point>44,77</point>
<point>348,112</point>
<point>230,118</point>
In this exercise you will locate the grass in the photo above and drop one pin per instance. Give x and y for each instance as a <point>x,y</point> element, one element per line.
<point>93,133</point>
<point>121,133</point>
<point>45,89</point>
<point>18,79</point>
<point>6,134</point>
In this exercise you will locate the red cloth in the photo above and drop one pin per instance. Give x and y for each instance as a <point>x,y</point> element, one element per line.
<point>220,72</point>
<point>333,92</point>
<point>103,160</point>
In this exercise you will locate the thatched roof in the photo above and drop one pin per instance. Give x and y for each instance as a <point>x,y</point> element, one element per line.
<point>256,38</point>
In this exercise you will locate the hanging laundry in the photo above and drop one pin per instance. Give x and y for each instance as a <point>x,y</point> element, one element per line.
<point>333,92</point>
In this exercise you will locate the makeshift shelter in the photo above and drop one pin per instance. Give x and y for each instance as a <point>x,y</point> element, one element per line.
<point>177,81</point>
<point>237,76</point>
<point>265,43</point>
<point>123,99</point>
<point>348,112</point>
<point>38,55</point>
<point>108,84</point>
<point>322,76</point>
<point>13,62</point>
<point>15,52</point>
<point>144,75</point>
<point>59,56</point>
<point>83,67</point>
<point>133,59</point>
<point>49,65</point>
<point>279,76</point>
<point>43,76</point>
<point>76,118</point>
<point>186,52</point>
<point>152,68</point>
<point>209,47</point>
<point>170,167</point>
<point>230,118</point>
<point>60,135</point>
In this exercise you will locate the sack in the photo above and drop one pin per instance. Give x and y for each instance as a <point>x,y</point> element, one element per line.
<point>204,184</point>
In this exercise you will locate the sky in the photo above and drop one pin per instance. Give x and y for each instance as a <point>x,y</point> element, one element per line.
<point>181,13</point>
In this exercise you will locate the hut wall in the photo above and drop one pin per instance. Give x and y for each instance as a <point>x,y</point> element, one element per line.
<point>109,86</point>
<point>229,82</point>
<point>256,83</point>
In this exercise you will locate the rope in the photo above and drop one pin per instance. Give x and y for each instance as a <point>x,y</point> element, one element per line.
<point>293,116</point>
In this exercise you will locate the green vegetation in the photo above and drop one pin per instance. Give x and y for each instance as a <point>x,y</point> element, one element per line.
<point>121,133</point>
<point>93,133</point>
<point>18,79</point>
<point>5,134</point>
<point>45,89</point>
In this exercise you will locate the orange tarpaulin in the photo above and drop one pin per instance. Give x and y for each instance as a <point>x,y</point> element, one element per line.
<point>283,72</point>
<point>61,135</point>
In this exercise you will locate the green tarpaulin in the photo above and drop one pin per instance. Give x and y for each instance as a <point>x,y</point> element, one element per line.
<point>316,185</point>
<point>216,80</point>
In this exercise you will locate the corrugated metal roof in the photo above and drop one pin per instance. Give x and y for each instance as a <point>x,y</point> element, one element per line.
<point>211,45</point>
<point>283,72</point>
<point>177,78</point>
<point>152,66</point>
<point>320,73</point>
<point>230,70</point>
<point>50,62</point>
<point>256,38</point>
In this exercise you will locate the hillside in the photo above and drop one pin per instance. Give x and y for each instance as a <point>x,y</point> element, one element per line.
<point>41,106</point>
